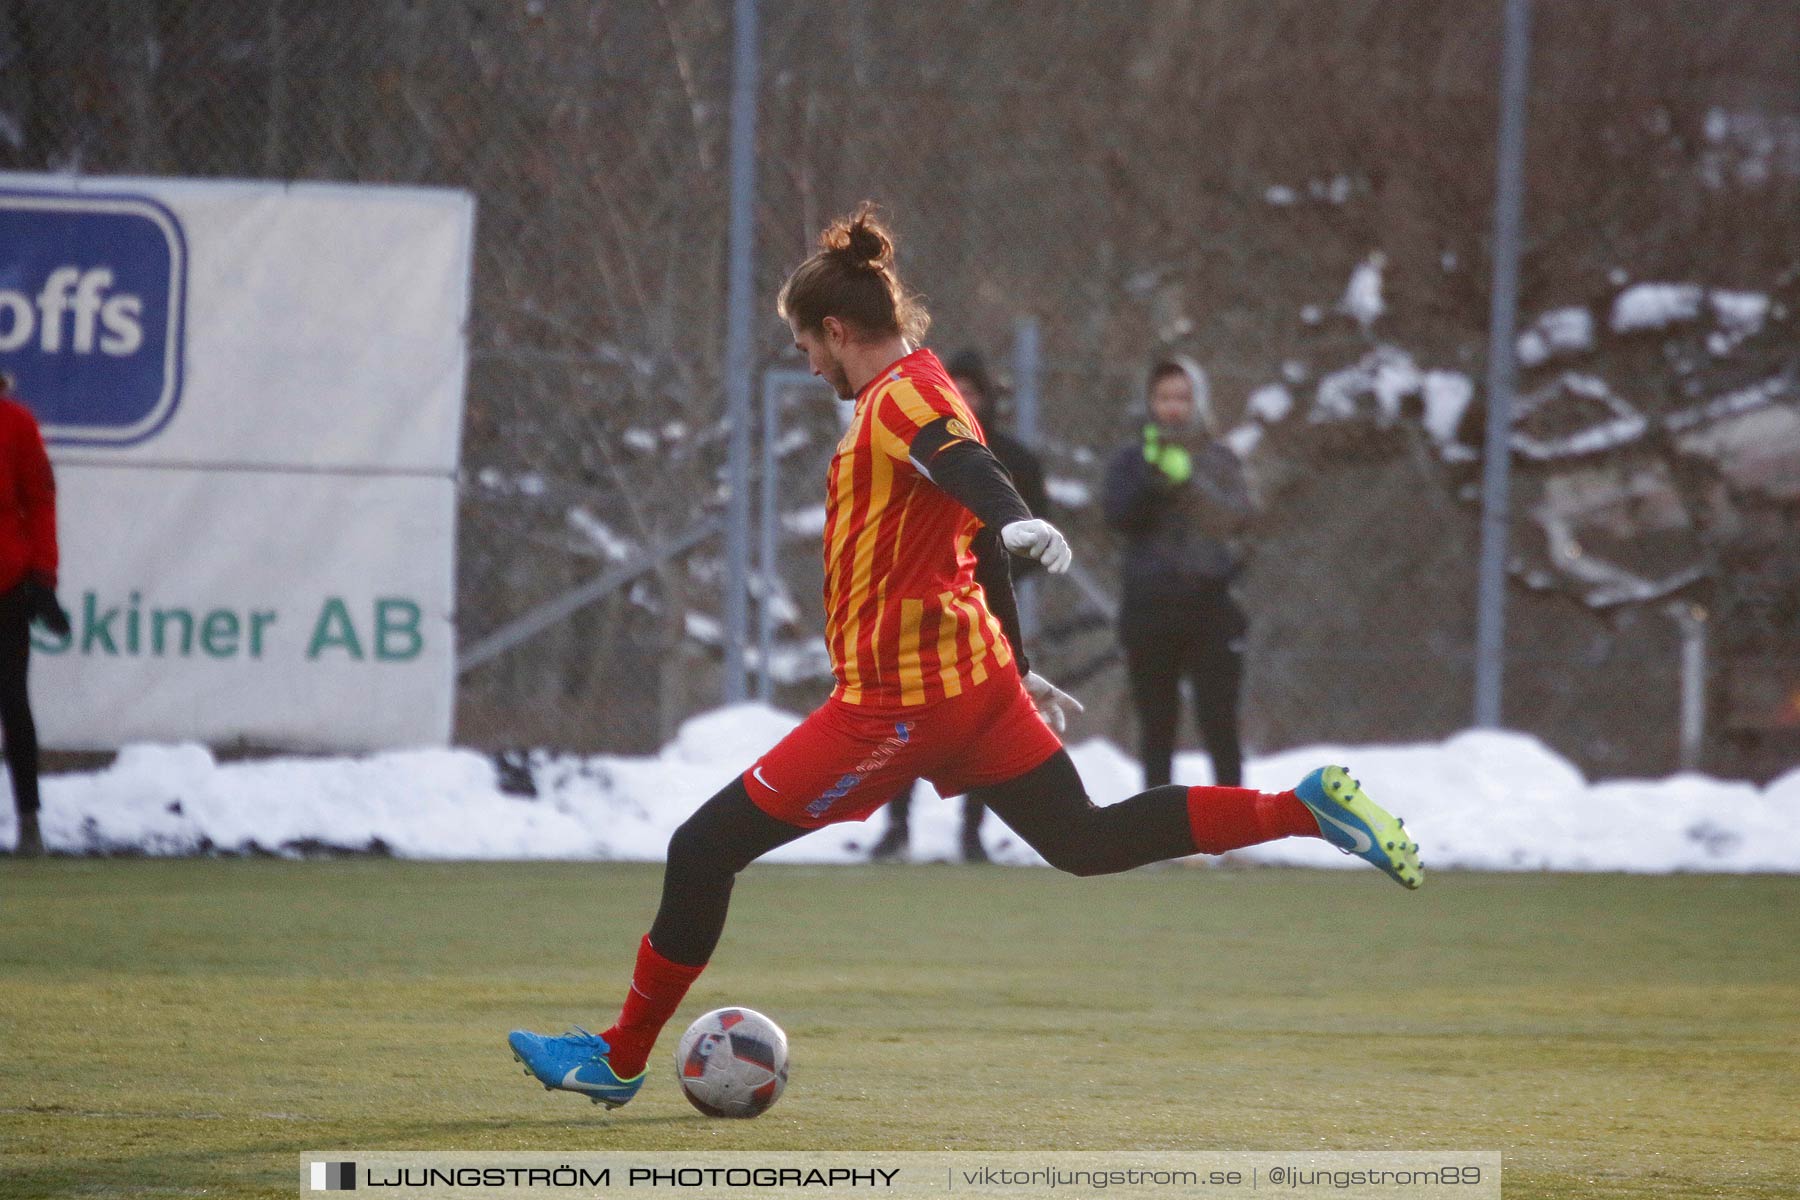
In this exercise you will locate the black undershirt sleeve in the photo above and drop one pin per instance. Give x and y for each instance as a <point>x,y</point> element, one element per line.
<point>970,474</point>
<point>993,572</point>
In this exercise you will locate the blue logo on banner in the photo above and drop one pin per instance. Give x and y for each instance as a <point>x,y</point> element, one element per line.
<point>91,301</point>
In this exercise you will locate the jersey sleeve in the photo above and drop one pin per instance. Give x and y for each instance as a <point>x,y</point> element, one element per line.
<point>905,409</point>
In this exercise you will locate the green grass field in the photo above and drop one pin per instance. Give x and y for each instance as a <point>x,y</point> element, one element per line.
<point>190,1027</point>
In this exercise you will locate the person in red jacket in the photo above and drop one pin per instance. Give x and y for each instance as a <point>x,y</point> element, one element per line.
<point>27,594</point>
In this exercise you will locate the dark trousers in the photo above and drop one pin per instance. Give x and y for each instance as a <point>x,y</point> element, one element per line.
<point>900,814</point>
<point>16,725</point>
<point>1194,639</point>
<point>1047,806</point>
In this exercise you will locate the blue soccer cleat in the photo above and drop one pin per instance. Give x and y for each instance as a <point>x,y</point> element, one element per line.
<point>574,1062</point>
<point>1357,825</point>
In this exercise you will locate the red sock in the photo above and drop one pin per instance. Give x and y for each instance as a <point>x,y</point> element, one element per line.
<point>657,986</point>
<point>1224,818</point>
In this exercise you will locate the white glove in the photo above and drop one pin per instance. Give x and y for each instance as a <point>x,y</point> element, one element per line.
<point>1040,540</point>
<point>1053,704</point>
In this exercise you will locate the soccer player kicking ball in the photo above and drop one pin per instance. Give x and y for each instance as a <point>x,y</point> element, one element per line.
<point>932,681</point>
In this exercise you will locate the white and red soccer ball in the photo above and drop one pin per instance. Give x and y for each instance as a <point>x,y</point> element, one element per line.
<point>732,1062</point>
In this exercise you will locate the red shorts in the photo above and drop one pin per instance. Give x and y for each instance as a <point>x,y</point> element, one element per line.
<point>845,761</point>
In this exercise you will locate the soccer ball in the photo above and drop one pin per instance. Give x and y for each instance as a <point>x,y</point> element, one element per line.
<point>732,1062</point>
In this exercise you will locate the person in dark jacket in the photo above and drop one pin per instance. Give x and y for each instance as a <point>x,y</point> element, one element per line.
<point>968,371</point>
<point>1180,499</point>
<point>27,593</point>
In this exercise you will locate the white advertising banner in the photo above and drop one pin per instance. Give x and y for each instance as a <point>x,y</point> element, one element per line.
<point>253,397</point>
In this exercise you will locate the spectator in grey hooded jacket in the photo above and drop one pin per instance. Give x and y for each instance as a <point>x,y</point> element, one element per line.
<point>1180,499</point>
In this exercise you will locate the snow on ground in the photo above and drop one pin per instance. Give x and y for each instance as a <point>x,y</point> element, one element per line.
<point>1067,492</point>
<point>1447,395</point>
<point>1362,295</point>
<point>805,522</point>
<point>610,544</point>
<point>529,483</point>
<point>1625,424</point>
<point>1740,313</point>
<point>1493,801</point>
<point>1647,306</point>
<point>1383,377</point>
<point>1243,440</point>
<point>1558,332</point>
<point>1270,403</point>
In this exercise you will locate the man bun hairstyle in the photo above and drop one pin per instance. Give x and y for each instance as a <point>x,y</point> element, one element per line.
<point>852,277</point>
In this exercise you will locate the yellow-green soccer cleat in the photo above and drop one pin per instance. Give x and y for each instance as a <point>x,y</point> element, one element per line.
<point>1357,825</point>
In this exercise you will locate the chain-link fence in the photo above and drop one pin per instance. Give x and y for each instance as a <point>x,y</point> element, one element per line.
<point>1299,194</point>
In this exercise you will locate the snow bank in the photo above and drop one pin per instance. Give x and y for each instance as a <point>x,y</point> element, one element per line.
<point>1495,801</point>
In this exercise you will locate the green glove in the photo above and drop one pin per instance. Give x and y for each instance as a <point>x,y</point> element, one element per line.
<point>1172,460</point>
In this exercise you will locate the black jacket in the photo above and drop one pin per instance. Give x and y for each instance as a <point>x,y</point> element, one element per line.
<point>1179,538</point>
<point>1023,465</point>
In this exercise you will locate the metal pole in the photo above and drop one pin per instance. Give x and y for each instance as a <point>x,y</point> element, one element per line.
<point>1027,358</point>
<point>1691,619</point>
<point>1490,618</point>
<point>737,342</point>
<point>768,571</point>
<point>1027,362</point>
<point>134,35</point>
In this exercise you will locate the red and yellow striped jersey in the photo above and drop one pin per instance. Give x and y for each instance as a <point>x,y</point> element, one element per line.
<point>905,621</point>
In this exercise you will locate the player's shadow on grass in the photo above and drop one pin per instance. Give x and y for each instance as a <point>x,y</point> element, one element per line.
<point>583,1121</point>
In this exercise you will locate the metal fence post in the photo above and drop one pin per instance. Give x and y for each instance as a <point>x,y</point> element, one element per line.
<point>1691,619</point>
<point>1490,617</point>
<point>768,566</point>
<point>1027,364</point>
<point>737,343</point>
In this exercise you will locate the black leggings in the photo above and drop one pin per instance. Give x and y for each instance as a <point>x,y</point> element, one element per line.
<point>1047,806</point>
<point>1157,659</point>
<point>16,725</point>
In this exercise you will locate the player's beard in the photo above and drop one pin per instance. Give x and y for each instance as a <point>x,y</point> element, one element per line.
<point>839,379</point>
